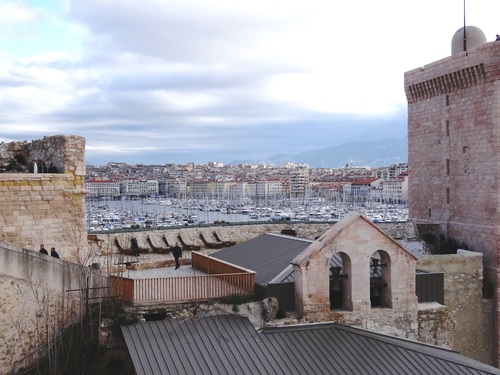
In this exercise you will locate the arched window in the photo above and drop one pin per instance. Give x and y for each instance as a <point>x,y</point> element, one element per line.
<point>340,284</point>
<point>380,279</point>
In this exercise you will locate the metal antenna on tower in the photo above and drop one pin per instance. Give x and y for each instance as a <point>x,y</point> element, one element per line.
<point>465,34</point>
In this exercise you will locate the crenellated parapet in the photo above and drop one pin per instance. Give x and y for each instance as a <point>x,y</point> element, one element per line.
<point>446,83</point>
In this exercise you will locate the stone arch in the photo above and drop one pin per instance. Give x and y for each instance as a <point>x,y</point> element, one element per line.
<point>380,279</point>
<point>340,283</point>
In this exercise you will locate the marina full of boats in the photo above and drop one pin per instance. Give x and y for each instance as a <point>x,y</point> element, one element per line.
<point>106,214</point>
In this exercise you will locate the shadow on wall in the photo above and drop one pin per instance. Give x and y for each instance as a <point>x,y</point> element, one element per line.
<point>438,243</point>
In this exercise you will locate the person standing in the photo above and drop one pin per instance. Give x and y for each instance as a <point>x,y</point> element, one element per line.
<point>43,250</point>
<point>134,246</point>
<point>177,252</point>
<point>54,253</point>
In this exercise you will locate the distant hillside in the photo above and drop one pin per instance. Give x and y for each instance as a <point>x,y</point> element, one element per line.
<point>377,153</point>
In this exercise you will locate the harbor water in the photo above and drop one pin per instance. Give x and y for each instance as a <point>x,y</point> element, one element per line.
<point>123,214</point>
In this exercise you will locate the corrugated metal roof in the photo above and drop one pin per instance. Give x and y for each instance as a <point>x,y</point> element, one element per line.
<point>207,345</point>
<point>228,344</point>
<point>268,255</point>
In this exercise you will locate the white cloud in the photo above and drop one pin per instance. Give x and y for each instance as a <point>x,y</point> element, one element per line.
<point>158,78</point>
<point>12,14</point>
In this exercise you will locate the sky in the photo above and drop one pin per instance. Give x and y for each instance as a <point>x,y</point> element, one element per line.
<point>162,81</point>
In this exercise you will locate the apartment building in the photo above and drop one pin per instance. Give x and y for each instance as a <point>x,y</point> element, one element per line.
<point>299,183</point>
<point>103,188</point>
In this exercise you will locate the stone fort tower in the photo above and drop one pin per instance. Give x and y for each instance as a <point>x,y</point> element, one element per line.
<point>454,151</point>
<point>46,208</point>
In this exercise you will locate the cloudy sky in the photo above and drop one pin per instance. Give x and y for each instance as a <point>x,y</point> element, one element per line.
<point>162,81</point>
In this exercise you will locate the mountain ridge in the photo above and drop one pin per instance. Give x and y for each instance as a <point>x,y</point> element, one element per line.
<point>377,153</point>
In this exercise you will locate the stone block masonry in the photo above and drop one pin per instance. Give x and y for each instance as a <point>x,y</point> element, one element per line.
<point>453,156</point>
<point>47,208</point>
<point>243,232</point>
<point>40,296</point>
<point>471,317</point>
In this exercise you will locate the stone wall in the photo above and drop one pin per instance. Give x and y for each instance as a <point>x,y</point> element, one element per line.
<point>453,151</point>
<point>435,326</point>
<point>471,318</point>
<point>35,302</point>
<point>105,242</point>
<point>47,208</point>
<point>452,136</point>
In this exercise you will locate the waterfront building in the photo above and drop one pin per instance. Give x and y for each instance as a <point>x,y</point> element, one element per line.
<point>152,187</point>
<point>103,188</point>
<point>176,187</point>
<point>200,189</point>
<point>268,189</point>
<point>237,190</point>
<point>359,191</point>
<point>299,183</point>
<point>395,190</point>
<point>219,190</point>
<point>258,184</point>
<point>392,171</point>
<point>139,187</point>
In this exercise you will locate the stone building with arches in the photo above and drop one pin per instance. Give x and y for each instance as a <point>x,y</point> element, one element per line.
<point>356,274</point>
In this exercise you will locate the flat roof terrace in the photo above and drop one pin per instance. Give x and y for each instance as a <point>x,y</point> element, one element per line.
<point>205,279</point>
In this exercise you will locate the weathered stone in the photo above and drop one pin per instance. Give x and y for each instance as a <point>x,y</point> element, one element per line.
<point>52,204</point>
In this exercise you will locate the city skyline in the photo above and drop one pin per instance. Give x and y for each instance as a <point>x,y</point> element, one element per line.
<point>176,82</point>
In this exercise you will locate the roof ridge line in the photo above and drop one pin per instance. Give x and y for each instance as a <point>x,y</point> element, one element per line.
<point>290,237</point>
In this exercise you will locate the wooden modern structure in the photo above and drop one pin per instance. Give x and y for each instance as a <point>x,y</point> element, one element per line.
<point>207,279</point>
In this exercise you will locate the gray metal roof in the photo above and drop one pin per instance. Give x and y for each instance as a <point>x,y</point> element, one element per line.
<point>228,344</point>
<point>207,345</point>
<point>268,255</point>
